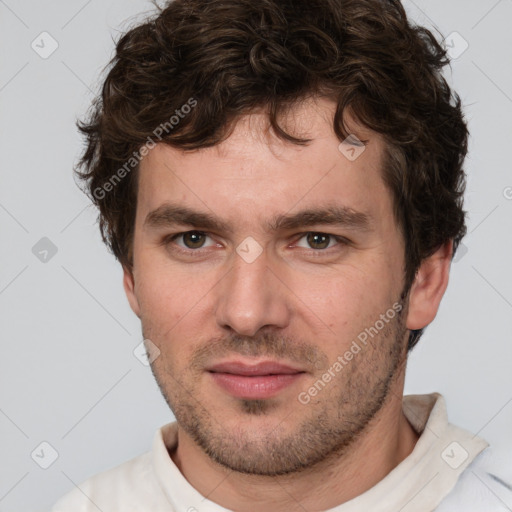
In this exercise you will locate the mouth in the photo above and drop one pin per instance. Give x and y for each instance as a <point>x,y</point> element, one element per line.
<point>254,381</point>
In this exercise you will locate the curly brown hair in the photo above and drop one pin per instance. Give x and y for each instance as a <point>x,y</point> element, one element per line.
<point>226,58</point>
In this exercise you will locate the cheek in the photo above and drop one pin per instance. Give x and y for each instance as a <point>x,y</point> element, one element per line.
<point>173,307</point>
<point>344,303</point>
<point>163,300</point>
<point>158,296</point>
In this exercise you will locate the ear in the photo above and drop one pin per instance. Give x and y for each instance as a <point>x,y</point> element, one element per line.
<point>129,288</point>
<point>428,287</point>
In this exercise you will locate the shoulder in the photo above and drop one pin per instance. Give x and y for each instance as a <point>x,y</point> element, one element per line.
<point>486,484</point>
<point>131,486</point>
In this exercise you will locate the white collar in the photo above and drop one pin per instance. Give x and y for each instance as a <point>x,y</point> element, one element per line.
<point>417,484</point>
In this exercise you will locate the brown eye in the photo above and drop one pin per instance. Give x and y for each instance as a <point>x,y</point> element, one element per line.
<point>193,239</point>
<point>318,240</point>
<point>322,244</point>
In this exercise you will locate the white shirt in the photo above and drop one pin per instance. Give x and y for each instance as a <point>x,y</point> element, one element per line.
<point>448,470</point>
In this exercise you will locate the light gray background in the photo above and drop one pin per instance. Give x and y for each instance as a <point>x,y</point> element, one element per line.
<point>68,373</point>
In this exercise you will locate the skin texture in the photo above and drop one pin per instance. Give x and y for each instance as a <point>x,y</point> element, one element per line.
<point>299,302</point>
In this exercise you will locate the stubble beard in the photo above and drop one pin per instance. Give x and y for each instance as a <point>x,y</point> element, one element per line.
<point>344,409</point>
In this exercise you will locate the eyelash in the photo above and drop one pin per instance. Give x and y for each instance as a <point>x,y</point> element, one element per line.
<point>167,240</point>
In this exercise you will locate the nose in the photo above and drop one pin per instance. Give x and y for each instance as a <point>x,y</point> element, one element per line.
<point>252,296</point>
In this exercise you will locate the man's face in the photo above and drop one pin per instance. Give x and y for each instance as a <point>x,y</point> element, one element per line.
<point>250,314</point>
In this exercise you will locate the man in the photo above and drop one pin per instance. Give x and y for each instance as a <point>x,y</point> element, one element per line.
<point>282,183</point>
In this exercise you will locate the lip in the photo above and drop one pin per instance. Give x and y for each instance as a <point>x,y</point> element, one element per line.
<point>254,381</point>
<point>251,370</point>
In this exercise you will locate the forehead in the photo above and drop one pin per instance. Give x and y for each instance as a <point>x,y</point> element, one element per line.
<point>254,174</point>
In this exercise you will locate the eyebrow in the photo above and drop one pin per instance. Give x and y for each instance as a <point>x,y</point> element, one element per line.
<point>169,214</point>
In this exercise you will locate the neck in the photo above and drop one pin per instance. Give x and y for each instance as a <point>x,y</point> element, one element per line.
<point>388,440</point>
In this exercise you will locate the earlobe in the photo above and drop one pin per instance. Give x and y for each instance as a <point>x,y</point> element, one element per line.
<point>129,288</point>
<point>429,287</point>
